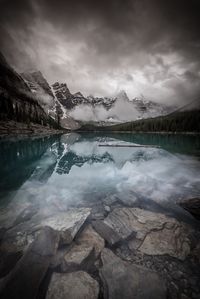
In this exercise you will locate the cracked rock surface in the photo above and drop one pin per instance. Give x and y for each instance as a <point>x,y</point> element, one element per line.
<point>79,285</point>
<point>151,233</point>
<point>124,280</point>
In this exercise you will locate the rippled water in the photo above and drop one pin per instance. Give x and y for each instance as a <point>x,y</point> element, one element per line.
<point>60,171</point>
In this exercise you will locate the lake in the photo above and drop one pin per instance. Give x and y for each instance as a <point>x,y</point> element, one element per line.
<point>60,171</point>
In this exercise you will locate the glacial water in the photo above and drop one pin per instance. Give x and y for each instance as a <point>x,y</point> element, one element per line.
<point>61,171</point>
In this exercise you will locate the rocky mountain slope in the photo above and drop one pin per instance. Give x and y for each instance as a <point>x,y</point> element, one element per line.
<point>41,89</point>
<point>58,105</point>
<point>142,107</point>
<point>17,102</point>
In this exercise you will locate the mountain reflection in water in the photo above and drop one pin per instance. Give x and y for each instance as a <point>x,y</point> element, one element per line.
<point>67,170</point>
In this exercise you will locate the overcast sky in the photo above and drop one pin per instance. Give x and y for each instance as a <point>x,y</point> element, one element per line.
<point>149,47</point>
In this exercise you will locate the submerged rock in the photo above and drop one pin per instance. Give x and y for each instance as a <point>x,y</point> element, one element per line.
<point>149,232</point>
<point>24,280</point>
<point>26,214</point>
<point>192,205</point>
<point>79,285</point>
<point>66,223</point>
<point>128,281</point>
<point>19,237</point>
<point>17,211</point>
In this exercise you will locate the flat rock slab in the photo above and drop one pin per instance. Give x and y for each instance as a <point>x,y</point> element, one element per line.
<point>13,212</point>
<point>67,223</point>
<point>128,281</point>
<point>24,280</point>
<point>75,285</point>
<point>77,255</point>
<point>152,233</point>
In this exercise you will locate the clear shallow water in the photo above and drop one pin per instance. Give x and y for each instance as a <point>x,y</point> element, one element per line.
<point>60,171</point>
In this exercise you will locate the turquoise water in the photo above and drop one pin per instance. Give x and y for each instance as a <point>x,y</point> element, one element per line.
<point>60,171</point>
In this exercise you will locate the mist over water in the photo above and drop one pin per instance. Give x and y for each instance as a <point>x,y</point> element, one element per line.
<point>73,170</point>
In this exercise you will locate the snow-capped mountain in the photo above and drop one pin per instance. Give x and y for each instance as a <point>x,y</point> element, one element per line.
<point>20,108</point>
<point>69,100</point>
<point>68,108</point>
<point>143,108</point>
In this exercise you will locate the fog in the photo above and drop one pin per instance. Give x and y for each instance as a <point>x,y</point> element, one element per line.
<point>121,110</point>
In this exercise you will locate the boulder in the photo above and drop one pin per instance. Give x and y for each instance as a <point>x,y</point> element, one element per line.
<point>77,256</point>
<point>19,237</point>
<point>89,237</point>
<point>192,205</point>
<point>26,214</point>
<point>106,232</point>
<point>79,285</point>
<point>128,281</point>
<point>151,233</point>
<point>83,253</point>
<point>24,280</point>
<point>15,211</point>
<point>67,223</point>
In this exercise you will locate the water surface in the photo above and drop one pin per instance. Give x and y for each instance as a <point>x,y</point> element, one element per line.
<point>57,172</point>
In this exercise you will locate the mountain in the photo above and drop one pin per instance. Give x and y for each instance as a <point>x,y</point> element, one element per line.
<point>69,100</point>
<point>50,99</point>
<point>17,102</point>
<point>40,88</point>
<point>193,105</point>
<point>137,108</point>
<point>145,108</point>
<point>176,122</point>
<point>28,98</point>
<point>62,105</point>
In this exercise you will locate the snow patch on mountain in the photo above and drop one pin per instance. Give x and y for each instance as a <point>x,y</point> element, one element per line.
<point>68,108</point>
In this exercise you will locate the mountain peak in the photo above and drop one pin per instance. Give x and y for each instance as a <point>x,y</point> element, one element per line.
<point>78,94</point>
<point>122,95</point>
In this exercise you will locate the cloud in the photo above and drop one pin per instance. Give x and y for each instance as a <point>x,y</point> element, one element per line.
<point>121,111</point>
<point>98,47</point>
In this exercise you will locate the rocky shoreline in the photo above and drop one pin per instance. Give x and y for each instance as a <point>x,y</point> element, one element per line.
<point>13,128</point>
<point>99,250</point>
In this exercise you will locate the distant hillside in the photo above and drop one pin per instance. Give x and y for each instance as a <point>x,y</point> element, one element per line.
<point>180,121</point>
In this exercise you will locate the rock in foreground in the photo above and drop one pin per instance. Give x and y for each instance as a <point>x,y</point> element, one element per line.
<point>67,223</point>
<point>89,237</point>
<point>151,233</point>
<point>24,280</point>
<point>77,256</point>
<point>75,285</point>
<point>84,251</point>
<point>123,280</point>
